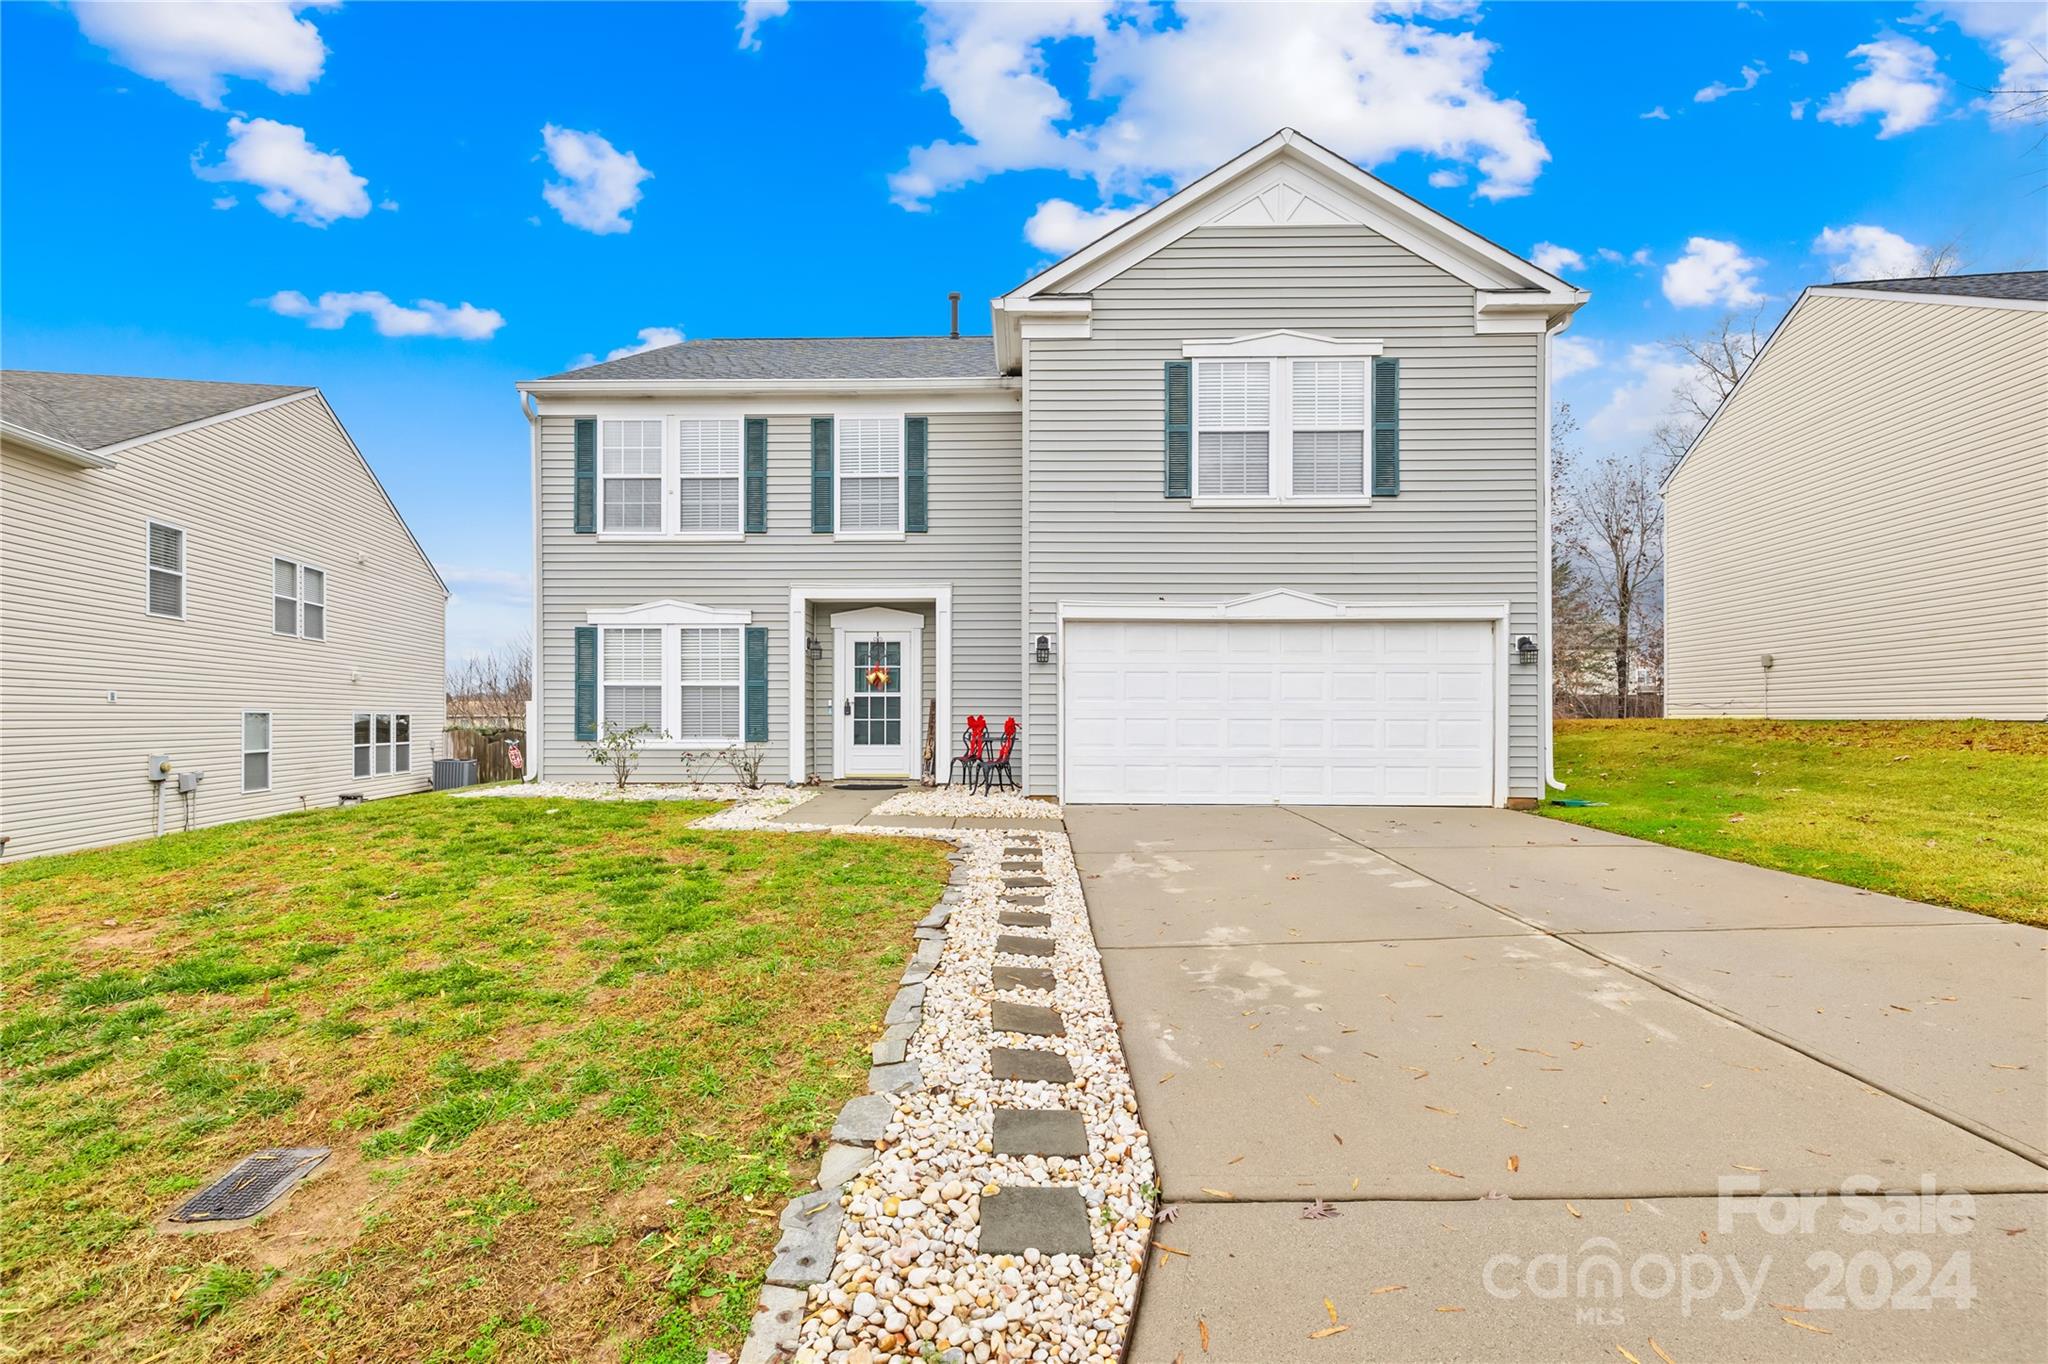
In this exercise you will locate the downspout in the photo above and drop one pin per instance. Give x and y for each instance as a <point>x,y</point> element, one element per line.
<point>533,723</point>
<point>1546,634</point>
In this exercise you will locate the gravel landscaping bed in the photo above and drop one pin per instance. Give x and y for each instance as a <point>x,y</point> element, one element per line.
<point>955,802</point>
<point>885,1262</point>
<point>769,800</point>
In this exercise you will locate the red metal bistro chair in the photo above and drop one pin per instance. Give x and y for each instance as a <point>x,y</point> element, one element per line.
<point>974,746</point>
<point>996,771</point>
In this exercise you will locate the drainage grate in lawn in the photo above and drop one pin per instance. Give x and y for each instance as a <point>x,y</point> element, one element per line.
<point>252,1185</point>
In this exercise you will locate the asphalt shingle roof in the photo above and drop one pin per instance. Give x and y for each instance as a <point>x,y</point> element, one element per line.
<point>93,411</point>
<point>2024,286</point>
<point>809,357</point>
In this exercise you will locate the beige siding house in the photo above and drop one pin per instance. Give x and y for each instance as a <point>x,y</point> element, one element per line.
<point>1862,530</point>
<point>207,573</point>
<point>1243,502</point>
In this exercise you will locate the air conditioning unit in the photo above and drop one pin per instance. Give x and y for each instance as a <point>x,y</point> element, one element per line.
<point>450,773</point>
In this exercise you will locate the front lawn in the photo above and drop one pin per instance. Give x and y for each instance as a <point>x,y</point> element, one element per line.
<point>1950,812</point>
<point>571,1056</point>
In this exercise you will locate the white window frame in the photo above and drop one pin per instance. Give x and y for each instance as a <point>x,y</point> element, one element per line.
<point>149,568</point>
<point>1280,350</point>
<point>901,421</point>
<point>397,764</point>
<point>672,618</point>
<point>269,751</point>
<point>663,489</point>
<point>672,481</point>
<point>300,568</point>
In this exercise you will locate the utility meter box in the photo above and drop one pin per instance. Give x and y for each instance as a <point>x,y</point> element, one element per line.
<point>188,782</point>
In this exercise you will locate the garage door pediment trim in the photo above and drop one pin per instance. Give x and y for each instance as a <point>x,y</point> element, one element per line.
<point>1282,603</point>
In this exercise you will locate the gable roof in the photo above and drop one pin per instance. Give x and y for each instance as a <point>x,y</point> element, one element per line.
<point>1290,180</point>
<point>96,411</point>
<point>804,357</point>
<point>2018,286</point>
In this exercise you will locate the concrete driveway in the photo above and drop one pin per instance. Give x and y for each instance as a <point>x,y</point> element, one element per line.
<point>1509,1052</point>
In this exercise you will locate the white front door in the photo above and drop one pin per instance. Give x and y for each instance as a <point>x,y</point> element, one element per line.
<point>877,697</point>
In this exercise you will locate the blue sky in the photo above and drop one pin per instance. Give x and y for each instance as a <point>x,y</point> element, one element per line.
<point>414,206</point>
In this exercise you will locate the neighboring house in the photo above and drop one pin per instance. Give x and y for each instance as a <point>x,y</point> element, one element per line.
<point>1243,502</point>
<point>1861,532</point>
<point>209,573</point>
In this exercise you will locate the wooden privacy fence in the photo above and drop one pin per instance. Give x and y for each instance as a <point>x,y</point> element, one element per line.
<point>492,750</point>
<point>1643,705</point>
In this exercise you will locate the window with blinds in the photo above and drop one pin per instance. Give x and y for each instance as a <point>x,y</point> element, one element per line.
<point>382,743</point>
<point>629,475</point>
<point>1329,428</point>
<point>629,664</point>
<point>710,674</point>
<point>255,750</point>
<point>870,472</point>
<point>1233,428</point>
<point>708,473</point>
<point>166,588</point>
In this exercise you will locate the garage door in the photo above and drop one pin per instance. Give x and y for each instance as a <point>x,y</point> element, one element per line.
<point>1336,713</point>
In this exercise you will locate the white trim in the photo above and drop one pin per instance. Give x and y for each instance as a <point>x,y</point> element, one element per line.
<point>1283,344</point>
<point>150,523</point>
<point>663,521</point>
<point>902,420</point>
<point>669,619</point>
<point>801,595</point>
<point>1546,765</point>
<point>56,449</point>
<point>1290,604</point>
<point>2025,305</point>
<point>534,747</point>
<point>269,752</point>
<point>298,599</point>
<point>992,393</point>
<point>392,744</point>
<point>666,611</point>
<point>886,624</point>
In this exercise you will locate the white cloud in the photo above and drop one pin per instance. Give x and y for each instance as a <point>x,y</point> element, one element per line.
<point>600,184</point>
<point>1570,355</point>
<point>298,180</point>
<point>1640,256</point>
<point>753,14</point>
<point>1721,89</point>
<point>1446,178</point>
<point>1064,228</point>
<point>2017,34</point>
<point>1367,83</point>
<point>1651,382</point>
<point>1556,259</point>
<point>1796,55</point>
<point>651,338</point>
<point>1899,84</point>
<point>332,311</point>
<point>1657,113</point>
<point>1798,109</point>
<point>1866,251</point>
<point>225,201</point>
<point>1712,273</point>
<point>195,47</point>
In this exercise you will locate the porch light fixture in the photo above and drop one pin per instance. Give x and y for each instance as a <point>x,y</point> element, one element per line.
<point>814,648</point>
<point>1525,649</point>
<point>1043,653</point>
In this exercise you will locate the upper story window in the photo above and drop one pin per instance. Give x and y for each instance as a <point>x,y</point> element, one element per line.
<point>870,474</point>
<point>298,599</point>
<point>708,476</point>
<point>1270,425</point>
<point>629,475</point>
<point>166,596</point>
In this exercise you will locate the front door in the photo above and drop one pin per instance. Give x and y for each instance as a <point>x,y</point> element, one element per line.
<point>878,704</point>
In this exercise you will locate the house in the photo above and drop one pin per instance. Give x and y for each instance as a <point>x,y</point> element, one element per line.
<point>209,611</point>
<point>1243,502</point>
<point>1861,532</point>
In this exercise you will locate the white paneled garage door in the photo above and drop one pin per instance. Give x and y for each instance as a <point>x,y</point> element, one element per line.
<point>1249,712</point>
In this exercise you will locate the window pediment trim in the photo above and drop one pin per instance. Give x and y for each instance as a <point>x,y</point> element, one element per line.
<point>1281,344</point>
<point>667,611</point>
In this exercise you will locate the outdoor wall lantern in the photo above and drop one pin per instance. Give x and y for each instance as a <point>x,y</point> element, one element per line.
<point>814,648</point>
<point>1043,653</point>
<point>1525,649</point>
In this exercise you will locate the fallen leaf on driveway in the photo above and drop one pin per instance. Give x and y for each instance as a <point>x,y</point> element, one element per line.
<point>2000,1065</point>
<point>1660,1351</point>
<point>1331,1308</point>
<point>1442,1171</point>
<point>1514,1164</point>
<point>1218,1193</point>
<point>1450,1309</point>
<point>1447,1112</point>
<point>1573,1211</point>
<point>1753,1169</point>
<point>1512,1123</point>
<point>1328,1331</point>
<point>1389,1288</point>
<point>1203,1327</point>
<point>1315,1210</point>
<point>1807,1326</point>
<point>1168,1076</point>
<point>1626,1355</point>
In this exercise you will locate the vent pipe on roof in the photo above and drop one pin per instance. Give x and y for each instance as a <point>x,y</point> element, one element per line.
<point>954,299</point>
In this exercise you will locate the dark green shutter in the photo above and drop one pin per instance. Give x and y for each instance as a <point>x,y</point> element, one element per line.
<point>586,475</point>
<point>586,682</point>
<point>757,476</point>
<point>757,685</point>
<point>916,436</point>
<point>1386,427</point>
<point>821,475</point>
<point>1180,403</point>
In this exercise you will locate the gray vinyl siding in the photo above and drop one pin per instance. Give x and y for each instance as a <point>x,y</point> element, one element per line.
<point>1467,525</point>
<point>1871,509</point>
<point>281,482</point>
<point>973,545</point>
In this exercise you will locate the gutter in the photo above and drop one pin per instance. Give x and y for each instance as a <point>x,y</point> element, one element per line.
<point>533,721</point>
<point>54,448</point>
<point>1548,633</point>
<point>760,388</point>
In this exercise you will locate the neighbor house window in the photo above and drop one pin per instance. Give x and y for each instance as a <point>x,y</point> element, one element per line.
<point>1328,428</point>
<point>870,468</point>
<point>166,571</point>
<point>298,599</point>
<point>630,474</point>
<point>711,672</point>
<point>1233,428</point>
<point>383,743</point>
<point>708,476</point>
<point>255,750</point>
<point>629,661</point>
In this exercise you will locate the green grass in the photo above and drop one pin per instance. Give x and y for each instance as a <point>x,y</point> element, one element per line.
<point>1950,812</point>
<point>571,1056</point>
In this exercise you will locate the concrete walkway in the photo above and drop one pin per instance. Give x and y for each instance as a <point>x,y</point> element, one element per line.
<point>1480,1034</point>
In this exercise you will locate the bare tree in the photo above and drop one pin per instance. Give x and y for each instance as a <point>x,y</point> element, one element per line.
<point>1616,527</point>
<point>490,691</point>
<point>1579,636</point>
<point>1944,258</point>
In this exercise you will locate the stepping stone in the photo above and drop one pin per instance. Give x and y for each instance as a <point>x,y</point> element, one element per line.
<point>864,1119</point>
<point>842,1163</point>
<point>1024,918</point>
<point>1040,1132</point>
<point>1050,1221</point>
<point>894,1079</point>
<point>1026,882</point>
<point>1005,1016</point>
<point>1023,1063</point>
<point>804,1254</point>
<point>1022,850</point>
<point>1019,946</point>
<point>1021,978</point>
<point>772,1333</point>
<point>1022,864</point>
<point>810,1207</point>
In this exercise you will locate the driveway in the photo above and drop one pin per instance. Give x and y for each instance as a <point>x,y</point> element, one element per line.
<point>1498,1046</point>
